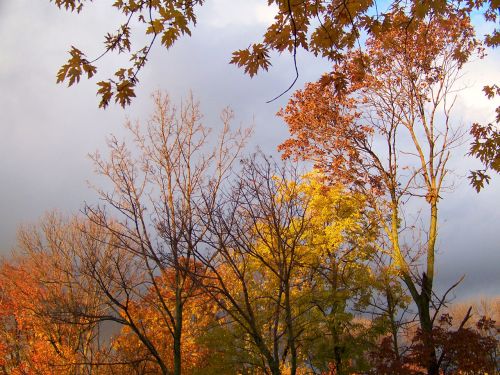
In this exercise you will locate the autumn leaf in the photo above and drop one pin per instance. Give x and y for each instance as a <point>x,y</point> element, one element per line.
<point>105,93</point>
<point>73,69</point>
<point>124,92</point>
<point>252,61</point>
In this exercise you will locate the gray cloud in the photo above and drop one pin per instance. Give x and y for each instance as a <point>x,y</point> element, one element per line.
<point>46,130</point>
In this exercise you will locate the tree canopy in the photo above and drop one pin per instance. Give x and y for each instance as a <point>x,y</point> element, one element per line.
<point>201,258</point>
<point>325,28</point>
<point>196,264</point>
<point>328,29</point>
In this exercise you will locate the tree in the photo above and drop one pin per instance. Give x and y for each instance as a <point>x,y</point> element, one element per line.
<point>46,304</point>
<point>198,315</point>
<point>142,259</point>
<point>469,350</point>
<point>381,124</point>
<point>256,236</point>
<point>288,255</point>
<point>162,191</point>
<point>65,286</point>
<point>461,350</point>
<point>340,242</point>
<point>391,315</point>
<point>325,28</point>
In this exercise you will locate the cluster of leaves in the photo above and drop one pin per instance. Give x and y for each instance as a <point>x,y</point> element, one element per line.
<point>39,332</point>
<point>466,349</point>
<point>330,28</point>
<point>486,145</point>
<point>36,339</point>
<point>198,314</point>
<point>33,340</point>
<point>326,28</point>
<point>166,19</point>
<point>470,350</point>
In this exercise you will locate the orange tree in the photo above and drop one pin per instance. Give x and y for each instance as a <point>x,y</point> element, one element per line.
<point>38,332</point>
<point>381,124</point>
<point>486,145</point>
<point>198,315</point>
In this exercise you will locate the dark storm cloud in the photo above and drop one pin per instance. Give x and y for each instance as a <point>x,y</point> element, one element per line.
<point>47,130</point>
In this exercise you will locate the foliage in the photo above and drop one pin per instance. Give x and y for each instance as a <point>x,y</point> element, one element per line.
<point>387,361</point>
<point>40,331</point>
<point>199,267</point>
<point>198,313</point>
<point>340,247</point>
<point>460,351</point>
<point>165,20</point>
<point>470,350</point>
<point>373,125</point>
<point>329,29</point>
<point>296,260</point>
<point>325,28</point>
<point>486,145</point>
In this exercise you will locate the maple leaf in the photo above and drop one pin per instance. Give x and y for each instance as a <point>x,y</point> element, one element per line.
<point>252,61</point>
<point>105,93</point>
<point>124,92</point>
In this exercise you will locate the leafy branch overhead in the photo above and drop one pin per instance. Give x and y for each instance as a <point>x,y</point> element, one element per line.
<point>167,20</point>
<point>325,28</point>
<point>74,68</point>
<point>486,145</point>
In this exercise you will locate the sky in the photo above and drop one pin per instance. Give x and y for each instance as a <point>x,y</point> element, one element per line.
<point>48,130</point>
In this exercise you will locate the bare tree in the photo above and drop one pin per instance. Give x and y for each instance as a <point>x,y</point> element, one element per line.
<point>159,189</point>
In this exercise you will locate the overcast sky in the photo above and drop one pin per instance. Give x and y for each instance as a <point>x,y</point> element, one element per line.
<point>47,130</point>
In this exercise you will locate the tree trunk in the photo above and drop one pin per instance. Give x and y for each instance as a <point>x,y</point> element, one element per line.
<point>426,294</point>
<point>291,333</point>
<point>427,338</point>
<point>177,354</point>
<point>178,327</point>
<point>275,368</point>
<point>394,327</point>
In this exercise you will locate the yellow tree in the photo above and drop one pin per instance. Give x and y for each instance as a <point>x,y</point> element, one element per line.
<point>339,243</point>
<point>280,244</point>
<point>256,233</point>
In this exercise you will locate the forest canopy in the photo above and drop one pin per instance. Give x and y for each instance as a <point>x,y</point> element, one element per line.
<point>200,256</point>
